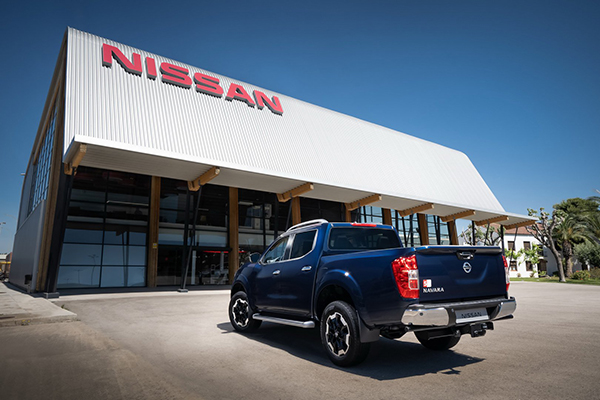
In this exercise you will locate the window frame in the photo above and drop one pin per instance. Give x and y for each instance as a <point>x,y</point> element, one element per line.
<point>294,238</point>
<point>285,251</point>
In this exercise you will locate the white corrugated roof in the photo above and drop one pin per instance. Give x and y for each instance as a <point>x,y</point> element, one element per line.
<point>136,124</point>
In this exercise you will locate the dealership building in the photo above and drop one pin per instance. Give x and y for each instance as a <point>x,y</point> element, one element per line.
<point>144,168</point>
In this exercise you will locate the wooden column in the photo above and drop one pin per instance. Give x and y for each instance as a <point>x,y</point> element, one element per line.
<point>347,215</point>
<point>387,216</point>
<point>153,220</point>
<point>234,235</point>
<point>296,216</point>
<point>452,232</point>
<point>423,229</point>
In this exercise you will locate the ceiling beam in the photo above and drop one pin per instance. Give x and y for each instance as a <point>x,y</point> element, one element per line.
<point>463,214</point>
<point>414,210</point>
<point>491,220</point>
<point>295,192</point>
<point>363,202</point>
<point>203,179</point>
<point>519,225</point>
<point>71,166</point>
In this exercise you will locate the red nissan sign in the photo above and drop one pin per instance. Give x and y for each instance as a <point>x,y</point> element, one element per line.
<point>181,77</point>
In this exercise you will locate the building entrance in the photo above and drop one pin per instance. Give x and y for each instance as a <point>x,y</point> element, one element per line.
<point>207,267</point>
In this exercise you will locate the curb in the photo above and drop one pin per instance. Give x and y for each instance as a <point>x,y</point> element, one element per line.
<point>24,320</point>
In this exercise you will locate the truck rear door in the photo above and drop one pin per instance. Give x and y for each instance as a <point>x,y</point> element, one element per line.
<point>458,273</point>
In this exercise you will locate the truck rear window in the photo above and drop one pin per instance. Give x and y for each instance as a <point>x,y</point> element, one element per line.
<point>357,238</point>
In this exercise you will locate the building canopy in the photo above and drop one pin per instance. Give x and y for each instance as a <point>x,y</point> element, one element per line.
<point>130,110</point>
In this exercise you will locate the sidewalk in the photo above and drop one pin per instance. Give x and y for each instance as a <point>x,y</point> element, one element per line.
<point>19,308</point>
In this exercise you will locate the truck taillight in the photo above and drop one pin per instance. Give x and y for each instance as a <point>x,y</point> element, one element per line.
<point>506,272</point>
<point>406,273</point>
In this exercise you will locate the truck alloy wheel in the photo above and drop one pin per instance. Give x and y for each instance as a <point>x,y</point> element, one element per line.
<point>340,335</point>
<point>337,334</point>
<point>240,313</point>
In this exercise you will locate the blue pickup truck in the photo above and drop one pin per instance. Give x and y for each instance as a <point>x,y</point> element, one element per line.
<point>357,282</point>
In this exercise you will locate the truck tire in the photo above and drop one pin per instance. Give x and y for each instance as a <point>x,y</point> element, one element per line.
<point>340,335</point>
<point>240,313</point>
<point>438,344</point>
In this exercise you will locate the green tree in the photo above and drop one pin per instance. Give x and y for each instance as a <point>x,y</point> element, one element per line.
<point>592,221</point>
<point>543,232</point>
<point>577,207</point>
<point>569,233</point>
<point>532,255</point>
<point>588,253</point>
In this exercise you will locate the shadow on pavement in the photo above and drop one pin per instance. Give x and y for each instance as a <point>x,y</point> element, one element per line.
<point>387,360</point>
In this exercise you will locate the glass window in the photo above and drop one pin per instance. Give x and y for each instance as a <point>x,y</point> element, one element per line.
<point>106,230</point>
<point>356,238</point>
<point>317,209</point>
<point>113,276</point>
<point>78,276</point>
<point>303,244</point>
<point>211,238</point>
<point>41,174</point>
<point>135,213</point>
<point>128,189</point>
<point>83,233</point>
<point>212,211</point>
<point>438,231</point>
<point>170,236</point>
<point>527,245</point>
<point>89,185</point>
<point>408,228</point>
<point>136,276</point>
<point>124,255</point>
<point>371,214</point>
<point>511,245</point>
<point>88,210</point>
<point>276,252</point>
<point>81,254</point>
<point>125,234</point>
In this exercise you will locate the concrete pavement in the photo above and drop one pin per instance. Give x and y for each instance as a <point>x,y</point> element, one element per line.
<point>181,346</point>
<point>20,308</point>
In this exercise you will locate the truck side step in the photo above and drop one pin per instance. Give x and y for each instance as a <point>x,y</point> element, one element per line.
<point>282,321</point>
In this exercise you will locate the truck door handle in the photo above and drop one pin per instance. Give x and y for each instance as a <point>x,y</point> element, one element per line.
<point>276,272</point>
<point>306,268</point>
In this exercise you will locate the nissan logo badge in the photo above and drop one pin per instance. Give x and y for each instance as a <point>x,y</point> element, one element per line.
<point>467,267</point>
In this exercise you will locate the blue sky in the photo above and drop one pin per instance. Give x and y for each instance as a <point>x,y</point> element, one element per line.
<point>513,84</point>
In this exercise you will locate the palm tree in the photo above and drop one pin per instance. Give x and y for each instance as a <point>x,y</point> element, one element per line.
<point>570,231</point>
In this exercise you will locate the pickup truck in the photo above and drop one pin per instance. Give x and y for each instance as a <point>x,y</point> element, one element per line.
<point>357,282</point>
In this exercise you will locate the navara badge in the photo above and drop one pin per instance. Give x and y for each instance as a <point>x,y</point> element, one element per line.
<point>467,267</point>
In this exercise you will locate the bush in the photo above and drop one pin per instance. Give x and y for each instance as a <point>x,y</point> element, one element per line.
<point>519,275</point>
<point>542,274</point>
<point>581,275</point>
<point>555,274</point>
<point>595,273</point>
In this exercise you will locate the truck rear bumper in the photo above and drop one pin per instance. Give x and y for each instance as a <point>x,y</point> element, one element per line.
<point>451,314</point>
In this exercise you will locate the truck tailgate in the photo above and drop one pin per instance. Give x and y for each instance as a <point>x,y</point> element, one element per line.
<point>455,273</point>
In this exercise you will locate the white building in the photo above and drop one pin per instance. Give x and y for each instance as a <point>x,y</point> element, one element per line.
<point>524,240</point>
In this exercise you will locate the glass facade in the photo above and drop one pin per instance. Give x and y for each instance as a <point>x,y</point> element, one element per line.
<point>41,171</point>
<point>106,238</point>
<point>438,231</point>
<point>106,234</point>
<point>208,252</point>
